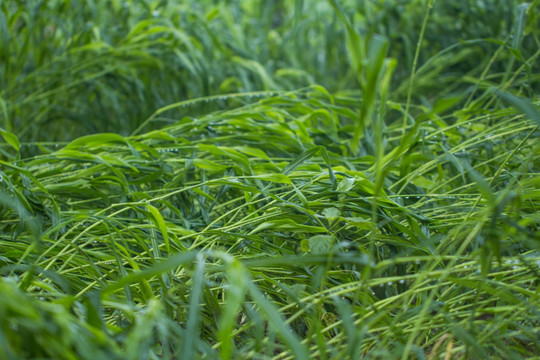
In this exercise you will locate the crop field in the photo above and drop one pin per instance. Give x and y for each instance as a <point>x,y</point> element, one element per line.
<point>285,179</point>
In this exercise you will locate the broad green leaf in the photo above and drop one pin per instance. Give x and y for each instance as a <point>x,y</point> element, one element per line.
<point>275,178</point>
<point>252,152</point>
<point>321,244</point>
<point>287,225</point>
<point>11,139</point>
<point>422,182</point>
<point>331,213</point>
<point>208,165</point>
<point>361,223</point>
<point>96,140</point>
<point>346,184</point>
<point>304,245</point>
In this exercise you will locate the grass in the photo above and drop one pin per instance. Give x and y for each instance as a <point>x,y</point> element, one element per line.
<point>237,209</point>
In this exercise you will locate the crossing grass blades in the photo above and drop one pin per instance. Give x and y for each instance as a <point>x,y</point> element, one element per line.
<point>289,224</point>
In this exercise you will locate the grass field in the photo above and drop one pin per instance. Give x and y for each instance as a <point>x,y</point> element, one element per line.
<point>269,179</point>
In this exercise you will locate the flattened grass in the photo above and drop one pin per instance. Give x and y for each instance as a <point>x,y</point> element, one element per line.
<point>274,224</point>
<point>250,233</point>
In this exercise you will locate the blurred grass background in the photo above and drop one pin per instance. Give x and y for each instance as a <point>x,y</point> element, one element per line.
<point>71,68</point>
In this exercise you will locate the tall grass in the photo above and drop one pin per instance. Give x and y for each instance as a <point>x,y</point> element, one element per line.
<point>70,68</point>
<point>243,213</point>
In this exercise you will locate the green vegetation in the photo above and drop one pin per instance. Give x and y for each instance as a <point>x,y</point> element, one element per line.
<point>269,179</point>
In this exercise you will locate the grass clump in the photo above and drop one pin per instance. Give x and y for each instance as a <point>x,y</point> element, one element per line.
<point>293,222</point>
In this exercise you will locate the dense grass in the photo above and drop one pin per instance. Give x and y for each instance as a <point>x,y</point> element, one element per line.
<point>221,204</point>
<point>71,68</point>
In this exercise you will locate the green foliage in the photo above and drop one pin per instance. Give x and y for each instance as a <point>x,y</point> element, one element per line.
<point>71,68</point>
<point>199,196</point>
